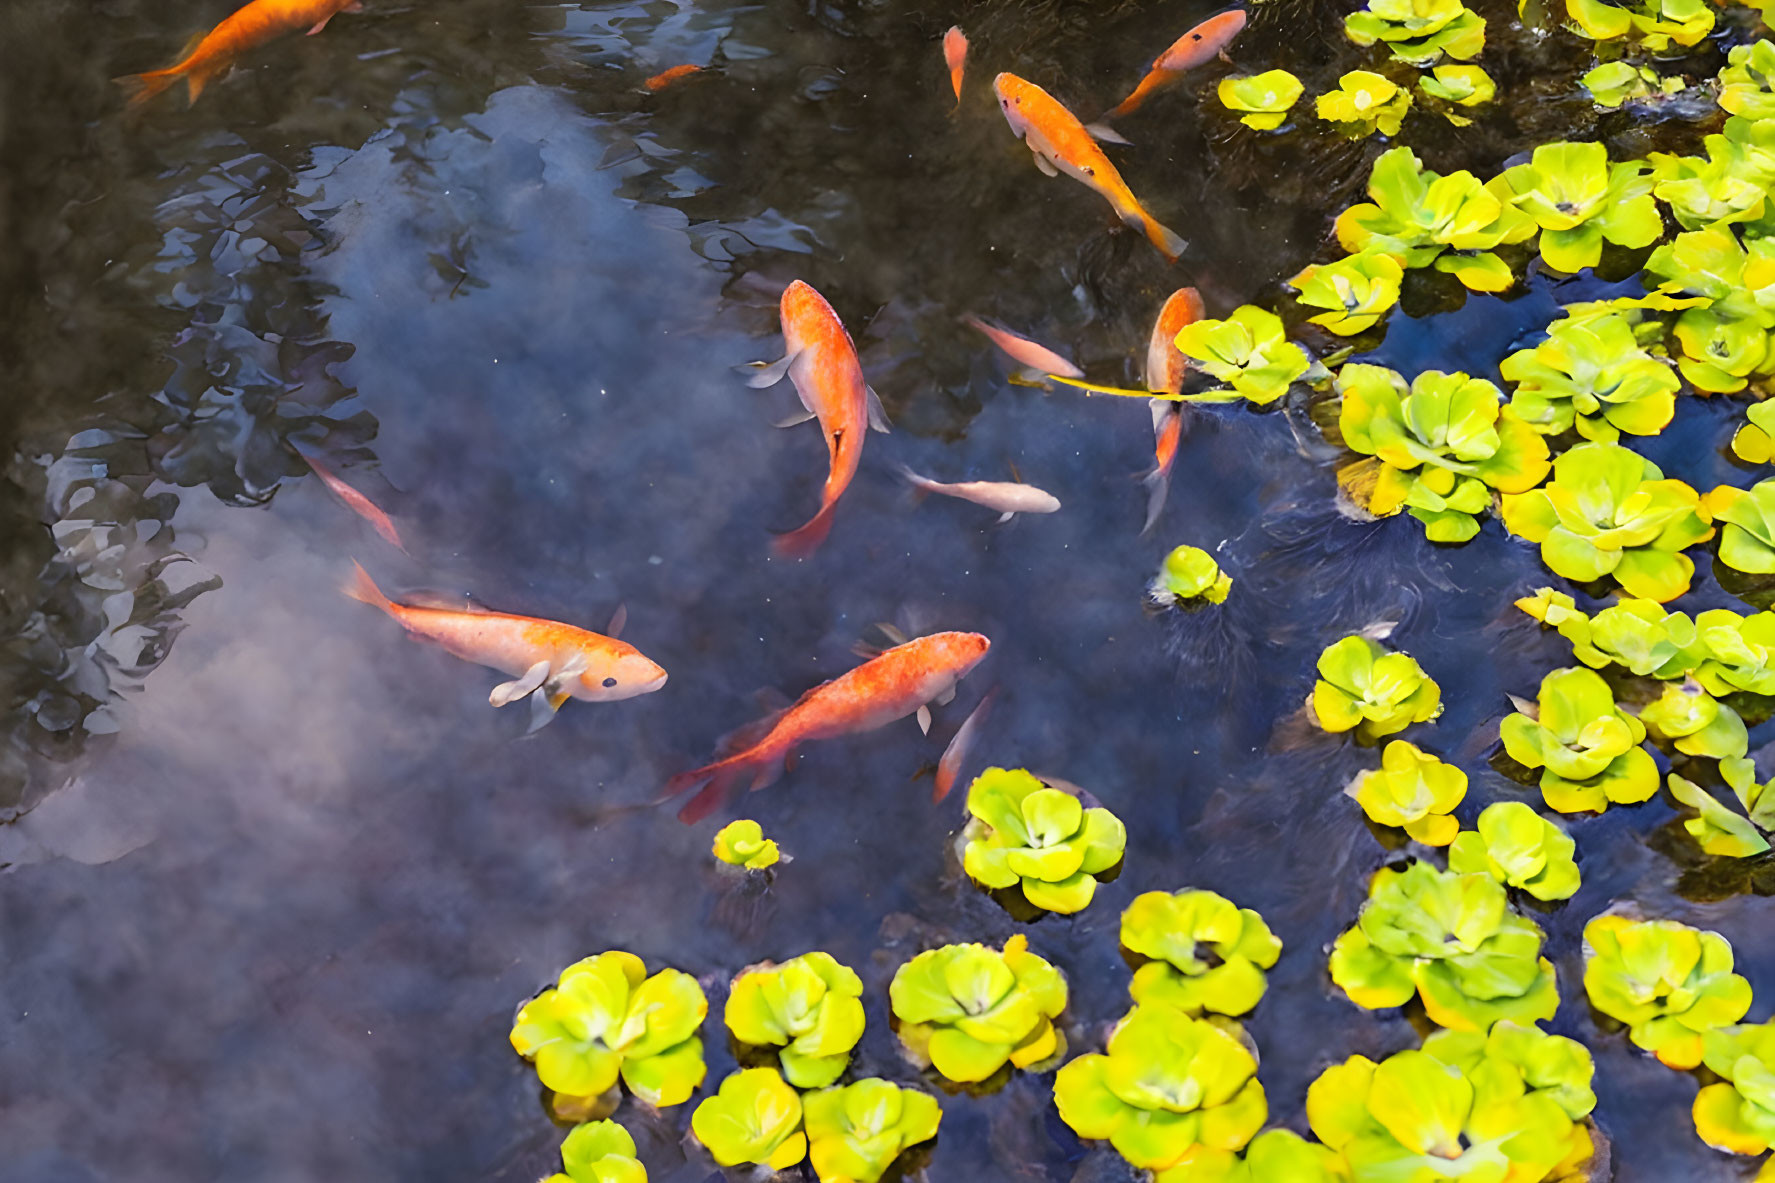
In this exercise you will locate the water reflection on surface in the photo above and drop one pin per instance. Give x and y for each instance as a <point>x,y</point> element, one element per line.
<point>278,887</point>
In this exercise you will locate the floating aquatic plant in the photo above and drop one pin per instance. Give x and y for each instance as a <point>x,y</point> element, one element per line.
<point>1655,23</point>
<point>1450,939</point>
<point>856,1132</point>
<point>1371,690</point>
<point>742,843</point>
<point>1592,374</point>
<point>1695,722</point>
<point>599,1152</point>
<point>1737,1114</point>
<point>1028,835</point>
<point>1614,83</point>
<point>606,1017</point>
<point>1609,511</point>
<point>1519,848</point>
<point>1725,334</point>
<point>1249,352</point>
<point>1190,574</point>
<point>1263,100</point>
<point>1754,443</point>
<point>1412,790</point>
<point>1167,1084</point>
<point>1208,954</point>
<point>1716,829</point>
<point>1363,103</point>
<point>753,1118</point>
<point>1640,636</point>
<point>1747,530</point>
<point>1419,31</point>
<point>1739,652</point>
<point>1512,1060</point>
<point>1669,983</point>
<point>1747,83</point>
<point>967,1010</point>
<point>1458,86</point>
<point>1587,748</point>
<point>810,1006</point>
<point>1440,447</point>
<point>1356,291</point>
<point>1728,184</point>
<point>1579,200</point>
<point>1274,1156</point>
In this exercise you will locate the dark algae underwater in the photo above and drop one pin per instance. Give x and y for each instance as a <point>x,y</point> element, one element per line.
<point>1315,728</point>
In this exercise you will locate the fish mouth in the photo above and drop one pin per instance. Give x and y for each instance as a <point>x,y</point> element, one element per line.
<point>658,681</point>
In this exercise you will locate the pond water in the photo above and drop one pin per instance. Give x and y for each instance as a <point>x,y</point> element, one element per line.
<point>276,888</point>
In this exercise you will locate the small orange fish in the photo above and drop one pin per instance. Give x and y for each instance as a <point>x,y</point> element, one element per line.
<point>955,756</point>
<point>821,361</point>
<point>1195,47</point>
<point>1062,144</point>
<point>1038,362</point>
<point>356,501</point>
<point>248,28</point>
<point>1165,370</point>
<point>891,686</point>
<point>550,661</point>
<point>665,78</point>
<point>955,56</point>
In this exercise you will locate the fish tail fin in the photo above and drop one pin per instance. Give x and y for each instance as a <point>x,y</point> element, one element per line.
<point>805,539</point>
<point>1158,486</point>
<point>363,589</point>
<point>139,88</point>
<point>1169,242</point>
<point>920,485</point>
<point>198,77</point>
<point>717,780</point>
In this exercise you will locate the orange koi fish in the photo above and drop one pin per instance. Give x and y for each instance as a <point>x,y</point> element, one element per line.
<point>820,360</point>
<point>956,754</point>
<point>1062,144</point>
<point>891,686</point>
<point>356,502</point>
<point>1038,362</point>
<point>550,661</point>
<point>665,78</point>
<point>248,28</point>
<point>1194,48</point>
<point>955,56</point>
<point>1165,370</point>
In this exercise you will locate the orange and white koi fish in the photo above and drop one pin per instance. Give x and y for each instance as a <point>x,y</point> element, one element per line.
<point>665,78</point>
<point>820,360</point>
<point>1038,362</point>
<point>1009,498</point>
<point>891,686</point>
<point>550,661</point>
<point>955,756</point>
<point>1166,367</point>
<point>248,28</point>
<point>1193,49</point>
<point>955,56</point>
<point>1062,144</point>
<point>356,502</point>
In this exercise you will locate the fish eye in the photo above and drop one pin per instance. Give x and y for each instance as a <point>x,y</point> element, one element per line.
<point>609,682</point>
<point>1195,36</point>
<point>1089,171</point>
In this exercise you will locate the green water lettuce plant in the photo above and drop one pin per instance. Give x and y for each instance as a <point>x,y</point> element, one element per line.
<point>754,1117</point>
<point>1363,103</point>
<point>1747,529</point>
<point>1754,443</point>
<point>1579,200</point>
<point>1747,83</point>
<point>1356,291</point>
<point>1208,954</point>
<point>810,1007</point>
<point>1439,446</point>
<point>1451,939</point>
<point>1519,848</point>
<point>1587,748</point>
<point>856,1132</point>
<point>1419,31</point>
<point>1737,1114</point>
<point>1262,100</point>
<point>1274,1156</point>
<point>1724,332</point>
<point>1726,184</point>
<point>741,843</point>
<point>1592,374</point>
<point>1640,636</point>
<point>1512,1060</point>
<point>1655,23</point>
<point>599,1152</point>
<point>1669,983</point>
<point>1615,83</point>
<point>1414,791</point>
<point>1190,574</point>
<point>1694,722</point>
<point>1739,652</point>
<point>1371,690</point>
<point>1460,86</point>
<point>605,1017</point>
<point>1609,511</point>
<point>1249,352</point>
<point>1716,829</point>
<point>967,1010</point>
<point>1166,1084</point>
<point>1024,834</point>
<point>1421,218</point>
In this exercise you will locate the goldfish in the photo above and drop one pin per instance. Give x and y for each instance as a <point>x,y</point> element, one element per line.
<point>821,361</point>
<point>1009,498</point>
<point>1165,370</point>
<point>956,754</point>
<point>1039,363</point>
<point>955,56</point>
<point>897,683</point>
<point>665,78</point>
<point>551,661</point>
<point>1062,144</point>
<point>248,28</point>
<point>356,501</point>
<point>1195,47</point>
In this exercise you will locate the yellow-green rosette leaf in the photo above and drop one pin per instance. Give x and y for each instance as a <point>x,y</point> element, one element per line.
<point>1364,102</point>
<point>1190,573</point>
<point>1248,351</point>
<point>1717,830</point>
<point>1356,291</point>
<point>1754,442</point>
<point>1208,953</point>
<point>753,1118</point>
<point>1367,688</point>
<point>1041,839</point>
<point>599,1152</point>
<point>1519,848</point>
<point>856,1132</point>
<point>1747,526</point>
<point>1262,100</point>
<point>810,1006</point>
<point>1669,983</point>
<point>1413,790</point>
<point>742,843</point>
<point>969,1009</point>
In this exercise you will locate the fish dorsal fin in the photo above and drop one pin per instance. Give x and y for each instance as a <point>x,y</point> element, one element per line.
<point>618,620</point>
<point>892,633</point>
<point>443,601</point>
<point>1015,475</point>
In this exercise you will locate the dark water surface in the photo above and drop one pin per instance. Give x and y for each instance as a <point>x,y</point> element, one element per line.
<point>275,890</point>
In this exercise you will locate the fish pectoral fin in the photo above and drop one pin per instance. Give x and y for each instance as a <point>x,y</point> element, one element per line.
<point>877,413</point>
<point>789,758</point>
<point>320,24</point>
<point>543,708</point>
<point>354,6</point>
<point>945,698</point>
<point>1042,162</point>
<point>509,692</point>
<point>1006,516</point>
<point>924,719</point>
<point>1106,134</point>
<point>770,373</point>
<point>795,420</point>
<point>892,632</point>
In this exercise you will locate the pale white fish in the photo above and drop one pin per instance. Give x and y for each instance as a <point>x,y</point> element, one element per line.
<point>1008,497</point>
<point>1038,363</point>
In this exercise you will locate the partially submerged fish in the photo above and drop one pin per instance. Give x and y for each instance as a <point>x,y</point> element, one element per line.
<point>897,683</point>
<point>665,78</point>
<point>356,502</point>
<point>550,661</point>
<point>821,361</point>
<point>1062,144</point>
<point>1166,367</point>
<point>248,28</point>
<point>955,756</point>
<point>1008,497</point>
<point>1196,47</point>
<point>955,56</point>
<point>1037,362</point>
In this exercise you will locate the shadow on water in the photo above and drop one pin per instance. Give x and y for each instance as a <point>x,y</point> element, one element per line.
<point>277,888</point>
